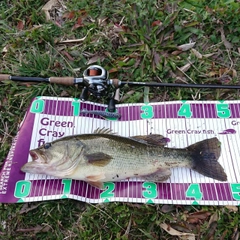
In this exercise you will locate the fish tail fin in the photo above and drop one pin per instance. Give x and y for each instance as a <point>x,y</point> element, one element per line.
<point>205,156</point>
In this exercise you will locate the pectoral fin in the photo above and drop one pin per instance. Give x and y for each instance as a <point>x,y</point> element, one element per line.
<point>95,178</point>
<point>152,139</point>
<point>98,159</point>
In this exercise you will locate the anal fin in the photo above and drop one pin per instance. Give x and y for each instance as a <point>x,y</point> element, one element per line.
<point>99,185</point>
<point>160,175</point>
<point>96,180</point>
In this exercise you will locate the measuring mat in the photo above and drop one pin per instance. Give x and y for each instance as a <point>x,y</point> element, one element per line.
<point>181,122</point>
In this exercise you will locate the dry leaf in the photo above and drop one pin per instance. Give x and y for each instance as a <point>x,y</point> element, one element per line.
<point>177,52</point>
<point>236,234</point>
<point>226,43</point>
<point>186,46</point>
<point>102,21</point>
<point>197,53</point>
<point>212,73</point>
<point>167,208</point>
<point>185,67</point>
<point>157,23</point>
<point>5,49</point>
<point>197,216</point>
<point>232,208</point>
<point>47,7</point>
<point>182,227</point>
<point>78,24</point>
<point>76,40</point>
<point>112,70</point>
<point>119,28</point>
<point>208,55</point>
<point>173,232</point>
<point>127,95</point>
<point>117,95</point>
<point>20,25</point>
<point>211,230</point>
<point>224,71</point>
<point>73,40</point>
<point>69,15</point>
<point>36,229</point>
<point>64,94</point>
<point>27,207</point>
<point>70,58</point>
<point>95,59</point>
<point>213,218</point>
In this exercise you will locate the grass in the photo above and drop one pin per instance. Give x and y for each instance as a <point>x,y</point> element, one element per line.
<point>136,41</point>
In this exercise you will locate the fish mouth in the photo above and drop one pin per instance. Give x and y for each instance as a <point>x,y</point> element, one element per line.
<point>38,156</point>
<point>33,155</point>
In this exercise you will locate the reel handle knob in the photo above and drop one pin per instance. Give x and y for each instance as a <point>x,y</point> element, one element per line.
<point>84,94</point>
<point>111,105</point>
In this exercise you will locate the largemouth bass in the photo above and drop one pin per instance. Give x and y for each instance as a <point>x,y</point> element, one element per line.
<point>102,156</point>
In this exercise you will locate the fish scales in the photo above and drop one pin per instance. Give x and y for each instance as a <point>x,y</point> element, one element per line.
<point>131,160</point>
<point>103,156</point>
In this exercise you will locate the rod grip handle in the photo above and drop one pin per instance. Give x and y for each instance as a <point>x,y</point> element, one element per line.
<point>116,83</point>
<point>4,77</point>
<point>62,80</point>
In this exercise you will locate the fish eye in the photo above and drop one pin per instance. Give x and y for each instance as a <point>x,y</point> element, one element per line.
<point>47,145</point>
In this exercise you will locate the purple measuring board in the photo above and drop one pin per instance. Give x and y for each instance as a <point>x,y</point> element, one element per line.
<point>181,122</point>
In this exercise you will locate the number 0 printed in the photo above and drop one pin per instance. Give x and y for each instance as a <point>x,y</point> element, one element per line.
<point>37,106</point>
<point>22,189</point>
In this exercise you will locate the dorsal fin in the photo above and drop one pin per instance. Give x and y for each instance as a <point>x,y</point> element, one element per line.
<point>104,131</point>
<point>152,139</point>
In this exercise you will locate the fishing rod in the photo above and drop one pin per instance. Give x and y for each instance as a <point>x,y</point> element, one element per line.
<point>96,81</point>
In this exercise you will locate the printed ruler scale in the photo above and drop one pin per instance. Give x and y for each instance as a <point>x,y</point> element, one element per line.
<point>182,122</point>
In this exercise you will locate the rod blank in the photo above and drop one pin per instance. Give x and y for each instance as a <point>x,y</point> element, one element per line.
<point>180,85</point>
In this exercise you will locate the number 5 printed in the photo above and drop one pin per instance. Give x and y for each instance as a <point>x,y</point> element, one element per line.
<point>235,187</point>
<point>223,110</point>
